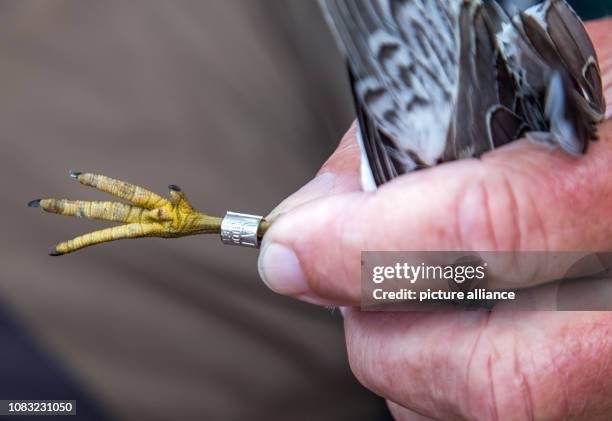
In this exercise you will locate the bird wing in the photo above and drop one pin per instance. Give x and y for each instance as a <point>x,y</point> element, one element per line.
<point>438,80</point>
<point>574,102</point>
<point>403,61</point>
<point>484,115</point>
<point>421,74</point>
<point>559,92</point>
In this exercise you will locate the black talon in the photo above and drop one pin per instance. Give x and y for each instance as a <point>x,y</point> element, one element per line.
<point>174,187</point>
<point>53,252</point>
<point>34,203</point>
<point>75,174</point>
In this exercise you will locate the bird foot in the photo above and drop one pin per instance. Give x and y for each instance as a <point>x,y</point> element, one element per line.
<point>145,214</point>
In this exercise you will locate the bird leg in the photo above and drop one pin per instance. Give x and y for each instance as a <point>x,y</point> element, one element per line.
<point>145,214</point>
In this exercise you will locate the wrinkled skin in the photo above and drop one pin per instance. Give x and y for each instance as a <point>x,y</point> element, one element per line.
<point>461,365</point>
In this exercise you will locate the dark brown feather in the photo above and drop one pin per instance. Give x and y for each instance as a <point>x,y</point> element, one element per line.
<point>576,50</point>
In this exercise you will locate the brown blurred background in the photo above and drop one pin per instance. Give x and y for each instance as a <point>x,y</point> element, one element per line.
<point>239,103</point>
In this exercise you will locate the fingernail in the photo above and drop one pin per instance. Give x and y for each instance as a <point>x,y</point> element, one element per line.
<point>280,270</point>
<point>317,187</point>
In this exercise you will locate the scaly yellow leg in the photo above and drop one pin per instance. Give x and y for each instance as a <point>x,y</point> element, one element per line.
<point>145,215</point>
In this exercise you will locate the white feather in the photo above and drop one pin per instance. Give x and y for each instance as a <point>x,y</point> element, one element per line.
<point>367,178</point>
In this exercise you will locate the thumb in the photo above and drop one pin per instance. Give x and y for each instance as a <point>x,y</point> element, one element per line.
<point>339,175</point>
<point>313,252</point>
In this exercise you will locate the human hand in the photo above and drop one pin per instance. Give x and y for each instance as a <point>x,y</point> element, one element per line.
<point>460,364</point>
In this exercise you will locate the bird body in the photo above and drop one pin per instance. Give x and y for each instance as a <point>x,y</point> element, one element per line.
<point>435,81</point>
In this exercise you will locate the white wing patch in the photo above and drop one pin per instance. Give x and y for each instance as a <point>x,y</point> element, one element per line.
<point>368,183</point>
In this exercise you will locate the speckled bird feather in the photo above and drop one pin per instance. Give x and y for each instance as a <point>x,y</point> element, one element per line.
<point>435,81</point>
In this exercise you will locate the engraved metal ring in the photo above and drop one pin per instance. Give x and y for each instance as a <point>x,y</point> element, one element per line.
<point>239,229</point>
